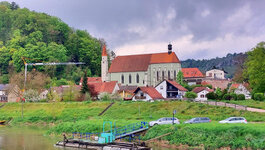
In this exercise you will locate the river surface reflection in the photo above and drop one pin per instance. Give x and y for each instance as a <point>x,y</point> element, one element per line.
<point>31,138</point>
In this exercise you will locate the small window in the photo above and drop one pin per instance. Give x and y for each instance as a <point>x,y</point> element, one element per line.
<point>163,75</point>
<point>168,74</point>
<point>157,75</point>
<point>130,78</point>
<point>161,87</point>
<point>142,94</point>
<point>122,78</point>
<point>175,75</point>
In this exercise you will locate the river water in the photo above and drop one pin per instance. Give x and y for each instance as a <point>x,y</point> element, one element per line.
<point>31,138</point>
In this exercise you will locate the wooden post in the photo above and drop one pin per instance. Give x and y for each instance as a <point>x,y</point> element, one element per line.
<point>245,107</point>
<point>235,106</point>
<point>225,104</point>
<point>215,103</point>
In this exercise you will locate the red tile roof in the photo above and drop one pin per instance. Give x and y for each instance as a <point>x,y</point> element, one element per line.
<point>101,87</point>
<point>192,73</point>
<point>235,85</point>
<point>199,89</point>
<point>216,83</point>
<point>151,91</point>
<point>91,80</point>
<point>104,52</point>
<point>176,85</point>
<point>132,63</point>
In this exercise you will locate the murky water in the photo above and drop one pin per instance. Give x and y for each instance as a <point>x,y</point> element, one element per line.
<point>31,138</point>
<point>14,138</point>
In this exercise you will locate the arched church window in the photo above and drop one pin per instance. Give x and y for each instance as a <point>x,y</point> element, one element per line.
<point>157,75</point>
<point>163,75</point>
<point>122,78</point>
<point>130,78</point>
<point>137,78</point>
<point>168,74</point>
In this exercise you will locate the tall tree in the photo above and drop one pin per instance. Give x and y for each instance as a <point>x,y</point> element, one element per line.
<point>85,88</point>
<point>255,70</point>
<point>180,77</point>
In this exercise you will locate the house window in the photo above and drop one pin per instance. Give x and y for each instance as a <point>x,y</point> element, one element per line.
<point>130,78</point>
<point>202,96</point>
<point>137,78</point>
<point>161,87</point>
<point>163,75</point>
<point>157,75</point>
<point>168,74</point>
<point>122,78</point>
<point>142,94</point>
<point>175,74</point>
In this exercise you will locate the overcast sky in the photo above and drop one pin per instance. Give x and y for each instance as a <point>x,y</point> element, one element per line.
<point>198,29</point>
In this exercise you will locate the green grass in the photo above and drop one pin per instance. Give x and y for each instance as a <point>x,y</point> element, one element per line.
<point>71,117</point>
<point>212,135</point>
<point>249,103</point>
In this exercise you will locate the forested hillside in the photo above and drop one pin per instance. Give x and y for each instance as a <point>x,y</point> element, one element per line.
<point>43,38</point>
<point>229,63</point>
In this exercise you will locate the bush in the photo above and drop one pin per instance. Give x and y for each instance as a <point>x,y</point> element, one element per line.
<point>227,96</point>
<point>259,96</point>
<point>233,96</point>
<point>211,95</point>
<point>241,97</point>
<point>190,95</point>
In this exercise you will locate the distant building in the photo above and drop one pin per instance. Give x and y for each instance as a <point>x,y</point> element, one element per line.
<point>3,92</point>
<point>192,75</point>
<point>146,94</point>
<point>145,69</point>
<point>215,74</point>
<point>201,93</point>
<point>217,83</point>
<point>97,88</point>
<point>126,92</point>
<point>240,89</point>
<point>171,89</point>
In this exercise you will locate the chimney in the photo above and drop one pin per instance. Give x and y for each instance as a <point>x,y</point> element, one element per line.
<point>169,48</point>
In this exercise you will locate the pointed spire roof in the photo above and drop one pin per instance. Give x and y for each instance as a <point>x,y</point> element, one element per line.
<point>104,51</point>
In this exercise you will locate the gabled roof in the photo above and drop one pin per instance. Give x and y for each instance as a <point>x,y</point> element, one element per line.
<point>199,89</point>
<point>151,91</point>
<point>191,73</point>
<point>176,85</point>
<point>127,88</point>
<point>235,85</point>
<point>133,63</point>
<point>102,87</point>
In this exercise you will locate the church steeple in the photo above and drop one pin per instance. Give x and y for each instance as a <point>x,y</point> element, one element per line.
<point>104,64</point>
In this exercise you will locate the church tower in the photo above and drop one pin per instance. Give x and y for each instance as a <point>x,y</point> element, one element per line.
<point>104,64</point>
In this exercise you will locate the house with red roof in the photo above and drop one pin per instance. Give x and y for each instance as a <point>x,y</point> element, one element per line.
<point>216,83</point>
<point>171,89</point>
<point>148,94</point>
<point>240,88</point>
<point>97,88</point>
<point>144,69</point>
<point>192,75</point>
<point>201,93</point>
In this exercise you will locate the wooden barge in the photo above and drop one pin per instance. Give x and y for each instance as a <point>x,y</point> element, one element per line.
<point>97,146</point>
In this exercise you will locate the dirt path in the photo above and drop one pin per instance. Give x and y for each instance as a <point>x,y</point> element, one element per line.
<point>238,107</point>
<point>2,105</point>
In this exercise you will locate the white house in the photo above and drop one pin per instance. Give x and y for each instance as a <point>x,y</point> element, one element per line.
<point>215,74</point>
<point>146,94</point>
<point>171,89</point>
<point>240,89</point>
<point>201,93</point>
<point>3,92</point>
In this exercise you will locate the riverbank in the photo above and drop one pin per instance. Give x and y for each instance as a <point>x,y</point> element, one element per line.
<point>83,117</point>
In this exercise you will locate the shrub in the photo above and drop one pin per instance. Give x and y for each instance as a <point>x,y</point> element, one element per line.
<point>211,95</point>
<point>104,96</point>
<point>227,96</point>
<point>190,95</point>
<point>259,96</point>
<point>241,97</point>
<point>233,96</point>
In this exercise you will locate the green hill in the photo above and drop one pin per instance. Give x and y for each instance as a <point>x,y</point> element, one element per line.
<point>229,63</point>
<point>44,38</point>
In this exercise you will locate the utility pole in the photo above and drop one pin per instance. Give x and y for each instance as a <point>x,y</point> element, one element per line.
<point>41,64</point>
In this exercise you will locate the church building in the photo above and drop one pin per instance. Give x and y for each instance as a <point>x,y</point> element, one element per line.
<point>141,70</point>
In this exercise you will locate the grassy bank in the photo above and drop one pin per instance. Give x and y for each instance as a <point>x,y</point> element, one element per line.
<point>249,103</point>
<point>83,117</point>
<point>212,135</point>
